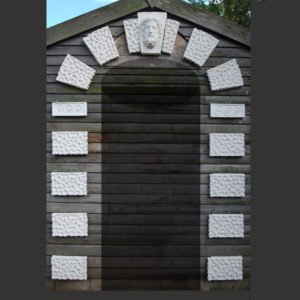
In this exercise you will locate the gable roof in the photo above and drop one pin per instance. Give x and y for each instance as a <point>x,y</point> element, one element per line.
<point>123,8</point>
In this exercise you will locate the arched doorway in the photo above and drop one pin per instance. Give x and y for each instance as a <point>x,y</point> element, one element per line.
<point>150,172</point>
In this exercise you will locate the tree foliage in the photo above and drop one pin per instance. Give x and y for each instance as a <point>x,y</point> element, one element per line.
<point>237,11</point>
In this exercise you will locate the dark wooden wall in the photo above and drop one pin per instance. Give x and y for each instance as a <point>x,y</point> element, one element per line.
<point>150,119</point>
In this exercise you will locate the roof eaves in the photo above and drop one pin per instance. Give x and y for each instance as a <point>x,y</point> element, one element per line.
<point>205,19</point>
<point>93,19</point>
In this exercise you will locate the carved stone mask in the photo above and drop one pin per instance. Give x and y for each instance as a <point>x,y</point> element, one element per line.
<point>151,31</point>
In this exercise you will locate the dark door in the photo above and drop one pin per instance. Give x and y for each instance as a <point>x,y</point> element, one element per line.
<point>150,178</point>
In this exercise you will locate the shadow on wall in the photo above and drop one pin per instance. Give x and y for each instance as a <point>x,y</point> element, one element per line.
<point>151,177</point>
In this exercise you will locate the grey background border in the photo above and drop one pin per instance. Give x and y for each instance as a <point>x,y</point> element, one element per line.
<point>275,219</point>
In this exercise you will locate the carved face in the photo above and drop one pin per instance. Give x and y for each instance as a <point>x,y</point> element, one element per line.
<point>151,29</point>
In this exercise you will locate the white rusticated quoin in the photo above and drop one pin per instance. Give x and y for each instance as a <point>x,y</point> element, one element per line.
<point>225,76</point>
<point>226,226</point>
<point>68,183</point>
<point>76,73</point>
<point>151,31</point>
<point>227,110</point>
<point>69,224</point>
<point>102,45</point>
<point>69,142</point>
<point>227,185</point>
<point>224,268</point>
<point>68,267</point>
<point>69,109</point>
<point>226,144</point>
<point>132,35</point>
<point>200,47</point>
<point>171,30</point>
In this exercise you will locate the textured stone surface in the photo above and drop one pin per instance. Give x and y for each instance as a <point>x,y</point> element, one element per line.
<point>227,110</point>
<point>102,45</point>
<point>151,31</point>
<point>69,109</point>
<point>69,267</point>
<point>225,268</point>
<point>69,224</point>
<point>170,36</point>
<point>200,47</point>
<point>227,185</point>
<point>68,183</point>
<point>225,76</point>
<point>69,142</point>
<point>226,226</point>
<point>226,144</point>
<point>132,35</point>
<point>75,73</point>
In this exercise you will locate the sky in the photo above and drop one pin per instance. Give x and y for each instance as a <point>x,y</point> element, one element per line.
<point>59,11</point>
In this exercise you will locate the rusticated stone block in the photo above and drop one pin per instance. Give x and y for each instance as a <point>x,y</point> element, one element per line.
<point>171,30</point>
<point>200,47</point>
<point>226,226</point>
<point>69,142</point>
<point>225,268</point>
<point>68,183</point>
<point>132,35</point>
<point>69,224</point>
<point>102,45</point>
<point>69,267</point>
<point>226,144</point>
<point>227,185</point>
<point>225,76</point>
<point>75,73</point>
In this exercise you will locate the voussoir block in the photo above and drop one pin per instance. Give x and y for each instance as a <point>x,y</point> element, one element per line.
<point>132,35</point>
<point>226,226</point>
<point>225,76</point>
<point>69,224</point>
<point>102,45</point>
<point>69,267</point>
<point>225,268</point>
<point>69,109</point>
<point>200,47</point>
<point>227,185</point>
<point>75,73</point>
<point>226,144</point>
<point>171,30</point>
<point>68,183</point>
<point>227,110</point>
<point>69,142</point>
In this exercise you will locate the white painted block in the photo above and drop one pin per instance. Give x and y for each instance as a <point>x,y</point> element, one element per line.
<point>75,73</point>
<point>226,226</point>
<point>200,47</point>
<point>68,183</point>
<point>102,45</point>
<point>225,268</point>
<point>132,35</point>
<point>69,109</point>
<point>69,224</point>
<point>227,110</point>
<point>226,144</point>
<point>171,30</point>
<point>225,76</point>
<point>227,185</point>
<point>69,142</point>
<point>151,31</point>
<point>69,267</point>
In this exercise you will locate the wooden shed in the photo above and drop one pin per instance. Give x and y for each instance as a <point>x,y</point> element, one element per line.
<point>149,164</point>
